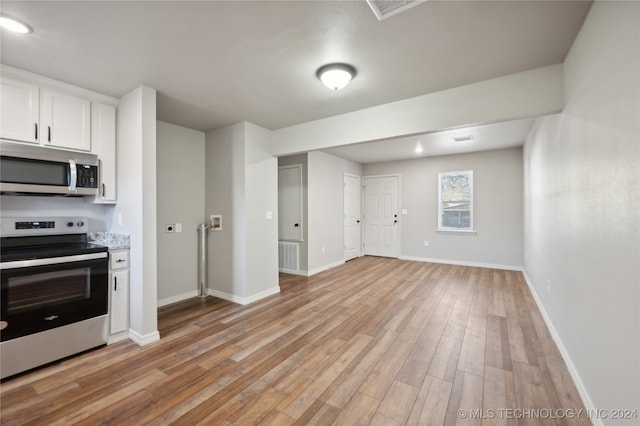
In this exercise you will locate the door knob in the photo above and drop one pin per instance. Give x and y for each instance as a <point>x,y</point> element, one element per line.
<point>395,221</point>
<point>296,225</point>
<point>357,221</point>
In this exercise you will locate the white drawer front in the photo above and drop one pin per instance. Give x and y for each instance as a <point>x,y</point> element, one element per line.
<point>119,260</point>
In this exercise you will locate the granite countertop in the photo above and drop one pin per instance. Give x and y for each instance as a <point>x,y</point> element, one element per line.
<point>110,239</point>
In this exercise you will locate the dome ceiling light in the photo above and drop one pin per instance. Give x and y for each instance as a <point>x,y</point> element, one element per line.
<point>14,25</point>
<point>336,76</point>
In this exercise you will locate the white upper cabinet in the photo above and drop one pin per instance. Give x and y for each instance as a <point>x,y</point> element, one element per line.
<point>103,142</point>
<point>66,121</point>
<point>19,111</point>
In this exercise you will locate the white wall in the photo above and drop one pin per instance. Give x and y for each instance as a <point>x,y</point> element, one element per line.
<point>304,251</point>
<point>325,209</point>
<point>497,180</point>
<point>135,213</point>
<point>525,94</point>
<point>181,193</point>
<point>99,215</point>
<point>582,224</point>
<point>261,196</point>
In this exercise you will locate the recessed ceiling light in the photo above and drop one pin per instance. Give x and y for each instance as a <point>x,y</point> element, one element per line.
<point>336,76</point>
<point>462,138</point>
<point>419,148</point>
<point>14,25</point>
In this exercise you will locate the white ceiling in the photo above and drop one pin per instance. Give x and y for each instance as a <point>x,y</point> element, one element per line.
<point>483,138</point>
<point>215,63</point>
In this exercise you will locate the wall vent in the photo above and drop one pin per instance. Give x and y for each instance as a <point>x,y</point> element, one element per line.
<point>288,256</point>
<point>385,8</point>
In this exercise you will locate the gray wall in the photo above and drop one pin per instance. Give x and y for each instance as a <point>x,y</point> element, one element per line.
<point>225,195</point>
<point>304,251</point>
<point>497,177</point>
<point>181,182</point>
<point>242,185</point>
<point>325,208</point>
<point>582,238</point>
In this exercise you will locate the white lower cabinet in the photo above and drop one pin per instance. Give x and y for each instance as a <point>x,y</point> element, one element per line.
<point>119,295</point>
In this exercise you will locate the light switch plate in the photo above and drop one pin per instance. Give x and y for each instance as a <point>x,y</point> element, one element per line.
<point>269,215</point>
<point>404,211</point>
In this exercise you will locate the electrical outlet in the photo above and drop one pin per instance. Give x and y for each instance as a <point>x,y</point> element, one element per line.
<point>170,227</point>
<point>548,285</point>
<point>178,227</point>
<point>426,243</point>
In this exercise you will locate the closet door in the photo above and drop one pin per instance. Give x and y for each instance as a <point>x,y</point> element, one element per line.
<point>290,202</point>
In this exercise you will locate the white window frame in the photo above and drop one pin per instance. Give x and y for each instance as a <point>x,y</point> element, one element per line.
<point>442,228</point>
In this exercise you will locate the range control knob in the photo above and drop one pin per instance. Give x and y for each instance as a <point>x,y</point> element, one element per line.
<point>80,224</point>
<point>69,224</point>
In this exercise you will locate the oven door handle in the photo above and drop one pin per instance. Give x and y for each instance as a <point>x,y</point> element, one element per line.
<point>51,261</point>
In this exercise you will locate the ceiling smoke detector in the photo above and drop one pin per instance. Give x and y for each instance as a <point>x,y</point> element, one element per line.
<point>386,8</point>
<point>466,138</point>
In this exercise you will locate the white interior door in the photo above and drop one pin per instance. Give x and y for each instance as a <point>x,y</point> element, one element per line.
<point>352,237</point>
<point>290,202</point>
<point>381,216</point>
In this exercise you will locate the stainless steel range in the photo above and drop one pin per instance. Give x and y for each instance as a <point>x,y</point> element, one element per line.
<point>54,295</point>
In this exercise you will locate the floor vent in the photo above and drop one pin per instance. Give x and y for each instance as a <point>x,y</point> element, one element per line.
<point>385,8</point>
<point>288,256</point>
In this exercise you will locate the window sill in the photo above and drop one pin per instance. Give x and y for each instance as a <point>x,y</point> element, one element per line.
<point>456,231</point>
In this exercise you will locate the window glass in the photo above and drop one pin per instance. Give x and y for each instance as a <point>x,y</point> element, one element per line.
<point>455,203</point>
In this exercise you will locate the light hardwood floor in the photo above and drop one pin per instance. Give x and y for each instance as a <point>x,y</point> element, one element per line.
<point>376,341</point>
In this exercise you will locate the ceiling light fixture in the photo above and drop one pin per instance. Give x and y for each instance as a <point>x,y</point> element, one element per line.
<point>419,148</point>
<point>14,25</point>
<point>336,76</point>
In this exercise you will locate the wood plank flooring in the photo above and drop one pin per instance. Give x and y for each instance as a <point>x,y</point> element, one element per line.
<point>374,342</point>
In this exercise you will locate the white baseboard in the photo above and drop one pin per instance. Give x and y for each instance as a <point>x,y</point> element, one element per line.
<point>294,272</point>
<point>118,337</point>
<point>325,267</point>
<point>177,298</point>
<point>143,340</point>
<point>577,380</point>
<point>244,300</point>
<point>463,263</point>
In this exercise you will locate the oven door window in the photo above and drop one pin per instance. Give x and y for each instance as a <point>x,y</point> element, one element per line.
<point>43,297</point>
<point>29,292</point>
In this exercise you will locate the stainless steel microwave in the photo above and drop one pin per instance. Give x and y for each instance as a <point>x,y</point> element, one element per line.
<point>26,169</point>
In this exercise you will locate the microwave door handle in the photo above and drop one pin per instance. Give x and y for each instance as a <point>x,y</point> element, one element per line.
<point>73,175</point>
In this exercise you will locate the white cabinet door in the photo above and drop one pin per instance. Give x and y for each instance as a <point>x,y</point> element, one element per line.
<point>19,111</point>
<point>119,301</point>
<point>103,142</point>
<point>65,121</point>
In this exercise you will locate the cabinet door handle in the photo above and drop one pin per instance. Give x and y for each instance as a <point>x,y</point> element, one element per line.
<point>49,133</point>
<point>103,190</point>
<point>36,126</point>
<point>115,283</point>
